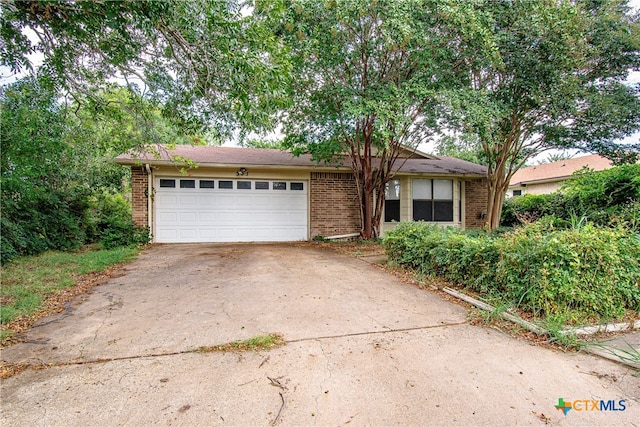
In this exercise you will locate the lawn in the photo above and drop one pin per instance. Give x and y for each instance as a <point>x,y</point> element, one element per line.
<point>34,286</point>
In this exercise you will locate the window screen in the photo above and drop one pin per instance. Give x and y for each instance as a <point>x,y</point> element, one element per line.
<point>392,201</point>
<point>244,185</point>
<point>432,200</point>
<point>422,210</point>
<point>187,183</point>
<point>442,189</point>
<point>262,185</point>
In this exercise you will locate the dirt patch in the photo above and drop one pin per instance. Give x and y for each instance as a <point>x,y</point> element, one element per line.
<point>59,302</point>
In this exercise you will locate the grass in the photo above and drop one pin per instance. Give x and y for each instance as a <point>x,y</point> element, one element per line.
<point>259,342</point>
<point>29,282</point>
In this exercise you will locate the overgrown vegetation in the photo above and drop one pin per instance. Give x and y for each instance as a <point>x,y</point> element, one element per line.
<point>29,281</point>
<point>59,189</point>
<point>606,198</point>
<point>577,274</point>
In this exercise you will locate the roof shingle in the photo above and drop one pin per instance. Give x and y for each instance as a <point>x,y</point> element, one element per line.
<point>558,171</point>
<point>213,155</point>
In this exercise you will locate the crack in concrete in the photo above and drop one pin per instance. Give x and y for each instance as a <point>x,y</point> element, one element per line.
<point>327,375</point>
<point>387,331</point>
<point>95,335</point>
<point>195,351</point>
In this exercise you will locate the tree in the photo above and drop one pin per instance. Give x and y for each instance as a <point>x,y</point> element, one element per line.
<point>556,157</point>
<point>464,147</point>
<point>546,75</point>
<point>58,185</point>
<point>116,120</point>
<point>203,59</point>
<point>366,80</point>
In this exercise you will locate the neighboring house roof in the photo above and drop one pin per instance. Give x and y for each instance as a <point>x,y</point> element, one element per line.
<point>220,156</point>
<point>558,171</point>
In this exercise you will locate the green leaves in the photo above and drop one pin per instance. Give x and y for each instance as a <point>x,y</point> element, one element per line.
<point>367,77</point>
<point>207,59</point>
<point>608,198</point>
<point>583,273</point>
<point>545,75</point>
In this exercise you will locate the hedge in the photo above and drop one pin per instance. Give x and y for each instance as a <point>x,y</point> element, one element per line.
<point>584,271</point>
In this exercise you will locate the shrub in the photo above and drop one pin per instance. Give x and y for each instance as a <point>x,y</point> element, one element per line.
<point>584,271</point>
<point>37,220</point>
<point>532,207</point>
<point>606,198</point>
<point>113,225</point>
<point>587,270</point>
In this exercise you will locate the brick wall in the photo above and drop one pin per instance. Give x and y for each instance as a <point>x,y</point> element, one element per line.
<point>334,205</point>
<point>475,193</point>
<point>139,188</point>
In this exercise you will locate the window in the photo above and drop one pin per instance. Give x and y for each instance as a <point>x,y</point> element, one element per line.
<point>422,200</point>
<point>279,185</point>
<point>187,183</point>
<point>225,184</point>
<point>297,186</point>
<point>244,185</point>
<point>204,183</point>
<point>167,183</point>
<point>517,193</point>
<point>432,200</point>
<point>392,201</point>
<point>262,185</point>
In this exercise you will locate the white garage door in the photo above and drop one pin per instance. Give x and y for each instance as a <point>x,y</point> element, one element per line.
<point>226,210</point>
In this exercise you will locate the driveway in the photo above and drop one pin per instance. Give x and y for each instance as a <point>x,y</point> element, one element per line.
<point>362,348</point>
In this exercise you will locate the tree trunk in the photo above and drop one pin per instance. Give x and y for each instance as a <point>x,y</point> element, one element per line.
<point>367,211</point>
<point>494,209</point>
<point>497,184</point>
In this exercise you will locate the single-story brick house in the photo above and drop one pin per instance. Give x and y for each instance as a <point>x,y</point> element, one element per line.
<point>244,194</point>
<point>549,177</point>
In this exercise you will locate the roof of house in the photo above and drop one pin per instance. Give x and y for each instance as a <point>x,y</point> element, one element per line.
<point>558,171</point>
<point>220,156</point>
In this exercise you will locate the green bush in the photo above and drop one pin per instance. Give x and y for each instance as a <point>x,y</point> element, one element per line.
<point>112,225</point>
<point>607,198</point>
<point>532,207</point>
<point>583,272</point>
<point>34,221</point>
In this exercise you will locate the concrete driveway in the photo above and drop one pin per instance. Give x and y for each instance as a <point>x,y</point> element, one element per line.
<point>362,348</point>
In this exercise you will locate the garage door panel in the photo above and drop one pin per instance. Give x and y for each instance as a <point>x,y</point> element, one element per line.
<point>168,218</point>
<point>166,235</point>
<point>167,200</point>
<point>188,217</point>
<point>206,201</point>
<point>207,233</point>
<point>188,234</point>
<point>187,201</point>
<point>230,214</point>
<point>207,218</point>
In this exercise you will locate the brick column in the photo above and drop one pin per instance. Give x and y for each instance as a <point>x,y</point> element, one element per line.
<point>139,188</point>
<point>475,195</point>
<point>334,205</point>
